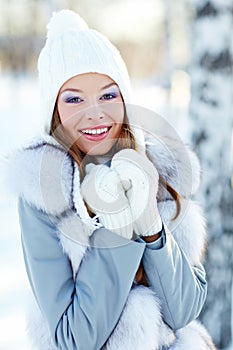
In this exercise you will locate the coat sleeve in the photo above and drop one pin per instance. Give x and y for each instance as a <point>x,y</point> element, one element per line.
<point>181,288</point>
<point>81,313</point>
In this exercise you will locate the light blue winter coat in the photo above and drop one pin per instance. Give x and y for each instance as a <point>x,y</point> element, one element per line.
<point>86,291</point>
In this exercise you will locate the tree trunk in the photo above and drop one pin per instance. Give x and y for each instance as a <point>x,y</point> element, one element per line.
<point>211,113</point>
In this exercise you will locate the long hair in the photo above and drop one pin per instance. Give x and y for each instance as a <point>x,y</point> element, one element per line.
<point>126,140</point>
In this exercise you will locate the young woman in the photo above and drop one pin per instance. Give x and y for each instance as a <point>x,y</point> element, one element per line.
<point>111,239</point>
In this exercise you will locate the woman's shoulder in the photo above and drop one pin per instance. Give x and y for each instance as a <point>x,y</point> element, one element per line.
<point>41,173</point>
<point>175,162</point>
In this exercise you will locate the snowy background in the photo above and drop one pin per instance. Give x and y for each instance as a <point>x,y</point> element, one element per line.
<point>167,78</point>
<point>17,125</point>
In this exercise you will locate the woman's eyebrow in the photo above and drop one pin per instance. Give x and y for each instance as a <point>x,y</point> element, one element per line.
<point>71,89</point>
<point>109,85</point>
<point>78,90</point>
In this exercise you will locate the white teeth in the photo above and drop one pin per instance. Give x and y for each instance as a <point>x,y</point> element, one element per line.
<point>94,131</point>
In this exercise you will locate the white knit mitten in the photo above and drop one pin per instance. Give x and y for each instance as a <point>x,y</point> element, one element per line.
<point>104,194</point>
<point>136,168</point>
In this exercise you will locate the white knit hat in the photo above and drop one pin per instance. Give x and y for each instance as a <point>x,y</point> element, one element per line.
<point>72,48</point>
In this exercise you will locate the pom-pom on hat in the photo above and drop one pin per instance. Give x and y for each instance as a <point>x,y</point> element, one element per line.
<point>73,48</point>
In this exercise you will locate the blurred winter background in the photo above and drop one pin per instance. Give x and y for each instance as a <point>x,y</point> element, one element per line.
<point>180,56</point>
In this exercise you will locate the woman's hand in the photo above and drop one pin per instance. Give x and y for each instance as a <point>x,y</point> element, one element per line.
<point>140,172</point>
<point>103,192</point>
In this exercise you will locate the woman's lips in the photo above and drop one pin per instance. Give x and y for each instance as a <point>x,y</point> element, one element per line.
<point>96,134</point>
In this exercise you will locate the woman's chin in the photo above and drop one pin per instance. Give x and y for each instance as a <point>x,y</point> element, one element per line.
<point>100,149</point>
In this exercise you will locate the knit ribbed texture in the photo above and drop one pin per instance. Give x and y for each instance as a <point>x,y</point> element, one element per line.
<point>151,222</point>
<point>120,223</point>
<point>136,169</point>
<point>105,196</point>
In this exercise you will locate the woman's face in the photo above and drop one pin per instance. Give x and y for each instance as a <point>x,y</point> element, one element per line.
<point>91,110</point>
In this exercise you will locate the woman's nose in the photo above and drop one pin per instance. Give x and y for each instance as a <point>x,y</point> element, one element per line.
<point>94,113</point>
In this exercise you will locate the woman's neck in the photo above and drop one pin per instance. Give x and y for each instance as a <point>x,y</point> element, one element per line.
<point>101,159</point>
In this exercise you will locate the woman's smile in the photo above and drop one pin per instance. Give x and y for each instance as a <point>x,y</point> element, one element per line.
<point>97,133</point>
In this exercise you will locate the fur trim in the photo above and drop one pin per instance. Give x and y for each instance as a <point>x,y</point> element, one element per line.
<point>78,199</point>
<point>49,180</point>
<point>143,306</point>
<point>189,229</point>
<point>193,337</point>
<point>42,175</point>
<point>74,238</point>
<point>175,163</point>
<point>37,327</point>
<point>73,228</point>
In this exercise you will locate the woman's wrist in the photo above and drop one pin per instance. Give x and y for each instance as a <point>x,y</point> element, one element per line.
<point>152,238</point>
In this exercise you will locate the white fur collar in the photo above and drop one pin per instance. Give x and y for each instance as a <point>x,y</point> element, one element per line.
<point>45,176</point>
<point>33,169</point>
<point>175,163</point>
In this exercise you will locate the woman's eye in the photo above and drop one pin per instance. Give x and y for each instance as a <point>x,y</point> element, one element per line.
<point>73,99</point>
<point>108,96</point>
